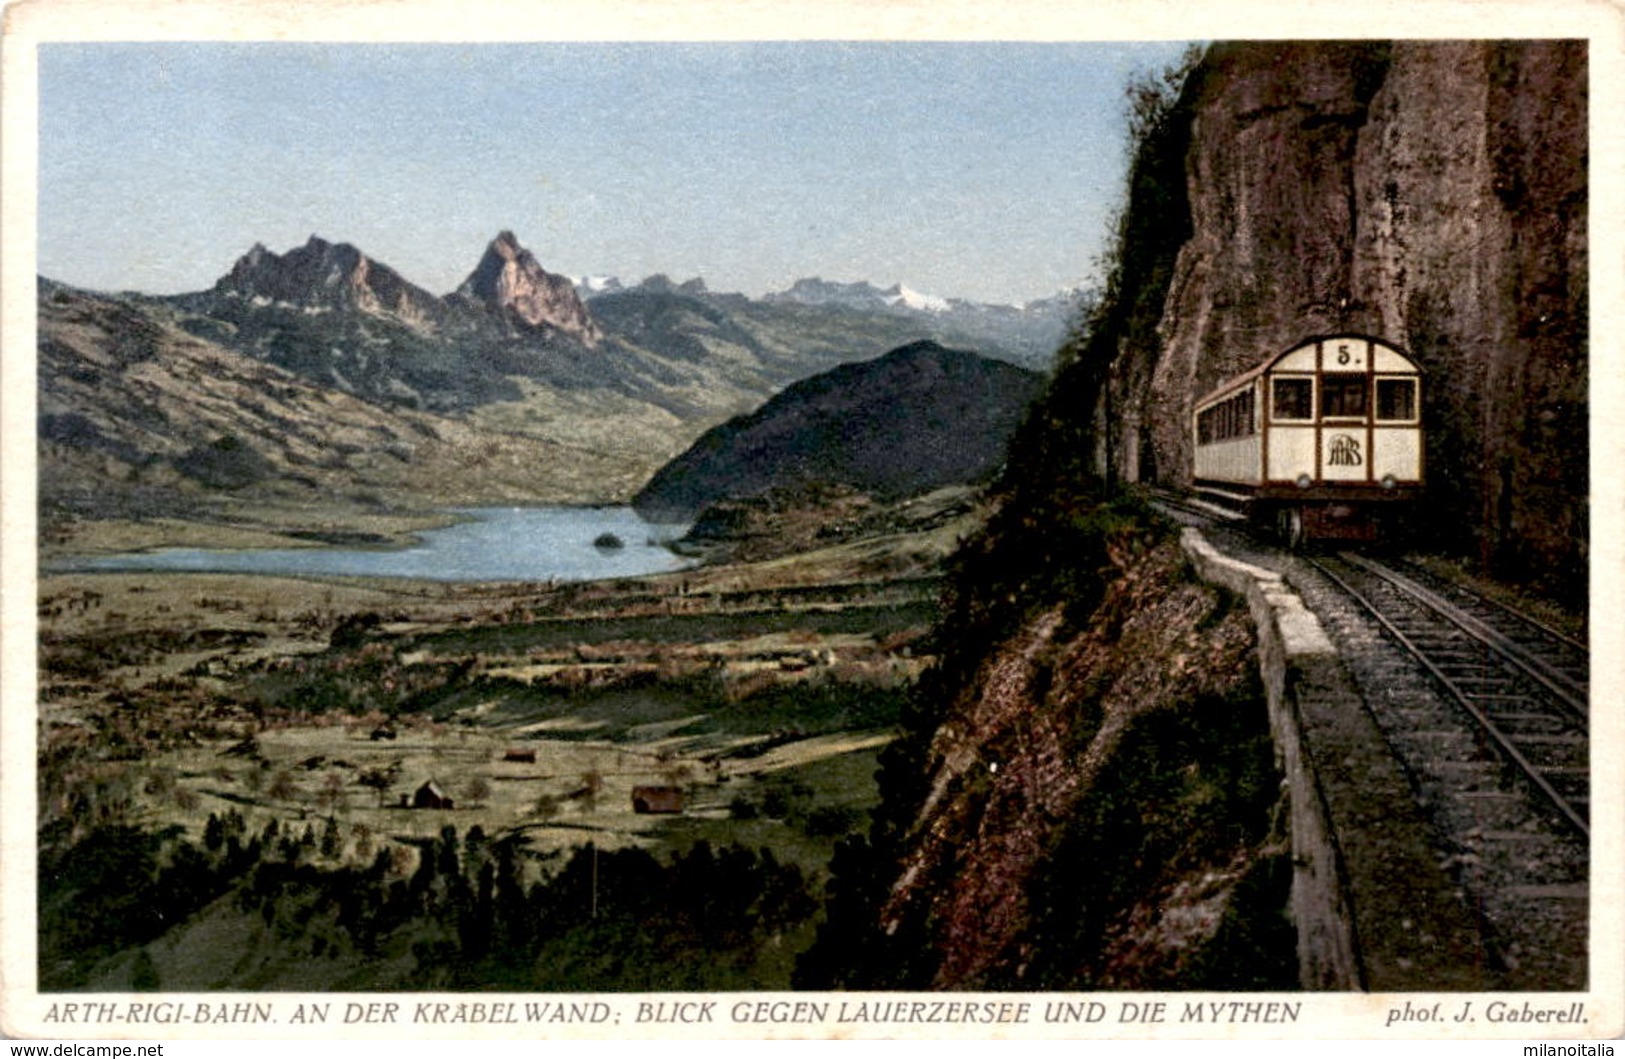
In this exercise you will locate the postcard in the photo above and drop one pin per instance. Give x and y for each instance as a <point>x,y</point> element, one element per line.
<point>867,521</point>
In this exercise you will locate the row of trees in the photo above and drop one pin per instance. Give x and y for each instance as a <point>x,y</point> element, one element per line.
<point>460,911</point>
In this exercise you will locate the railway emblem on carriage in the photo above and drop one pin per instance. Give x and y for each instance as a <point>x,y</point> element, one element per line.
<point>1343,451</point>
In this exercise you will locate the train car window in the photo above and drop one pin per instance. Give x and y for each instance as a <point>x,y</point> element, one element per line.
<point>1293,399</point>
<point>1396,399</point>
<point>1342,396</point>
<point>1232,418</point>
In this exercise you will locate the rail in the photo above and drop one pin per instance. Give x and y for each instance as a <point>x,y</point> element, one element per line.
<point>1534,710</point>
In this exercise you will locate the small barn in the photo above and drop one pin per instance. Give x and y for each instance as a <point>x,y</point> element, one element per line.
<point>657,799</point>
<point>527,757</point>
<point>430,796</point>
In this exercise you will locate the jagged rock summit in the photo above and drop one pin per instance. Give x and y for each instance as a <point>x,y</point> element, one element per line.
<point>510,280</point>
<point>323,275</point>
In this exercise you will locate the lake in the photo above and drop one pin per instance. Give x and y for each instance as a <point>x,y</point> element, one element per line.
<point>490,544</point>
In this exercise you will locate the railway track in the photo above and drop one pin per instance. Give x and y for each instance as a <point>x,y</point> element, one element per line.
<point>1204,510</point>
<point>1523,685</point>
<point>1557,649</point>
<point>1487,714</point>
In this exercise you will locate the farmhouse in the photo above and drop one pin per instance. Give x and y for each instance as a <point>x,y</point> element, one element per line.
<point>429,796</point>
<point>657,799</point>
<point>527,757</point>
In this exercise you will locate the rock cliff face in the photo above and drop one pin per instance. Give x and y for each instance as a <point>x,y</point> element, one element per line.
<point>509,279</point>
<point>1431,193</point>
<point>1084,794</point>
<point>1022,872</point>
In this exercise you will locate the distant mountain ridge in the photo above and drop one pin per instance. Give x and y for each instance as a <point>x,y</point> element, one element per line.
<point>1024,334</point>
<point>916,419</point>
<point>860,295</point>
<point>507,283</point>
<point>625,381</point>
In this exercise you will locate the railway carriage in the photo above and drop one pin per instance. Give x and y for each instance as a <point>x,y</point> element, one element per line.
<point>1323,441</point>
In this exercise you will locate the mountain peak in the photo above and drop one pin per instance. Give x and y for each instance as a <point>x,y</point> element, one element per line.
<point>321,275</point>
<point>660,283</point>
<point>509,279</point>
<point>913,299</point>
<point>920,417</point>
<point>506,240</point>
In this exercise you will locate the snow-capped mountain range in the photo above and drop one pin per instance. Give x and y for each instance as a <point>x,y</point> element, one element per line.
<point>815,290</point>
<point>1027,334</point>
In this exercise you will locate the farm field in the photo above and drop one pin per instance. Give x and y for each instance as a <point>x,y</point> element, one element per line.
<point>369,727</point>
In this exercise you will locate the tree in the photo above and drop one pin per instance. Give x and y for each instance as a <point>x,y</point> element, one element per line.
<point>380,779</point>
<point>1151,96</point>
<point>363,842</point>
<point>214,834</point>
<point>448,862</point>
<point>283,788</point>
<point>592,785</point>
<point>332,840</point>
<point>331,796</point>
<point>474,850</point>
<point>144,974</point>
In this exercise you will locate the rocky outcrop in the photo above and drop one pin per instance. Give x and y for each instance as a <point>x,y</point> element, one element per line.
<point>509,280</point>
<point>323,275</point>
<point>1431,193</point>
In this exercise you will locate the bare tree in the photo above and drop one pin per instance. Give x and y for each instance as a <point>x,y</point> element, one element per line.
<point>380,779</point>
<point>332,793</point>
<point>363,842</point>
<point>283,788</point>
<point>377,780</point>
<point>592,785</point>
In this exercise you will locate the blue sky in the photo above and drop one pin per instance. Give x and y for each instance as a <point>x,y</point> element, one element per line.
<point>977,170</point>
